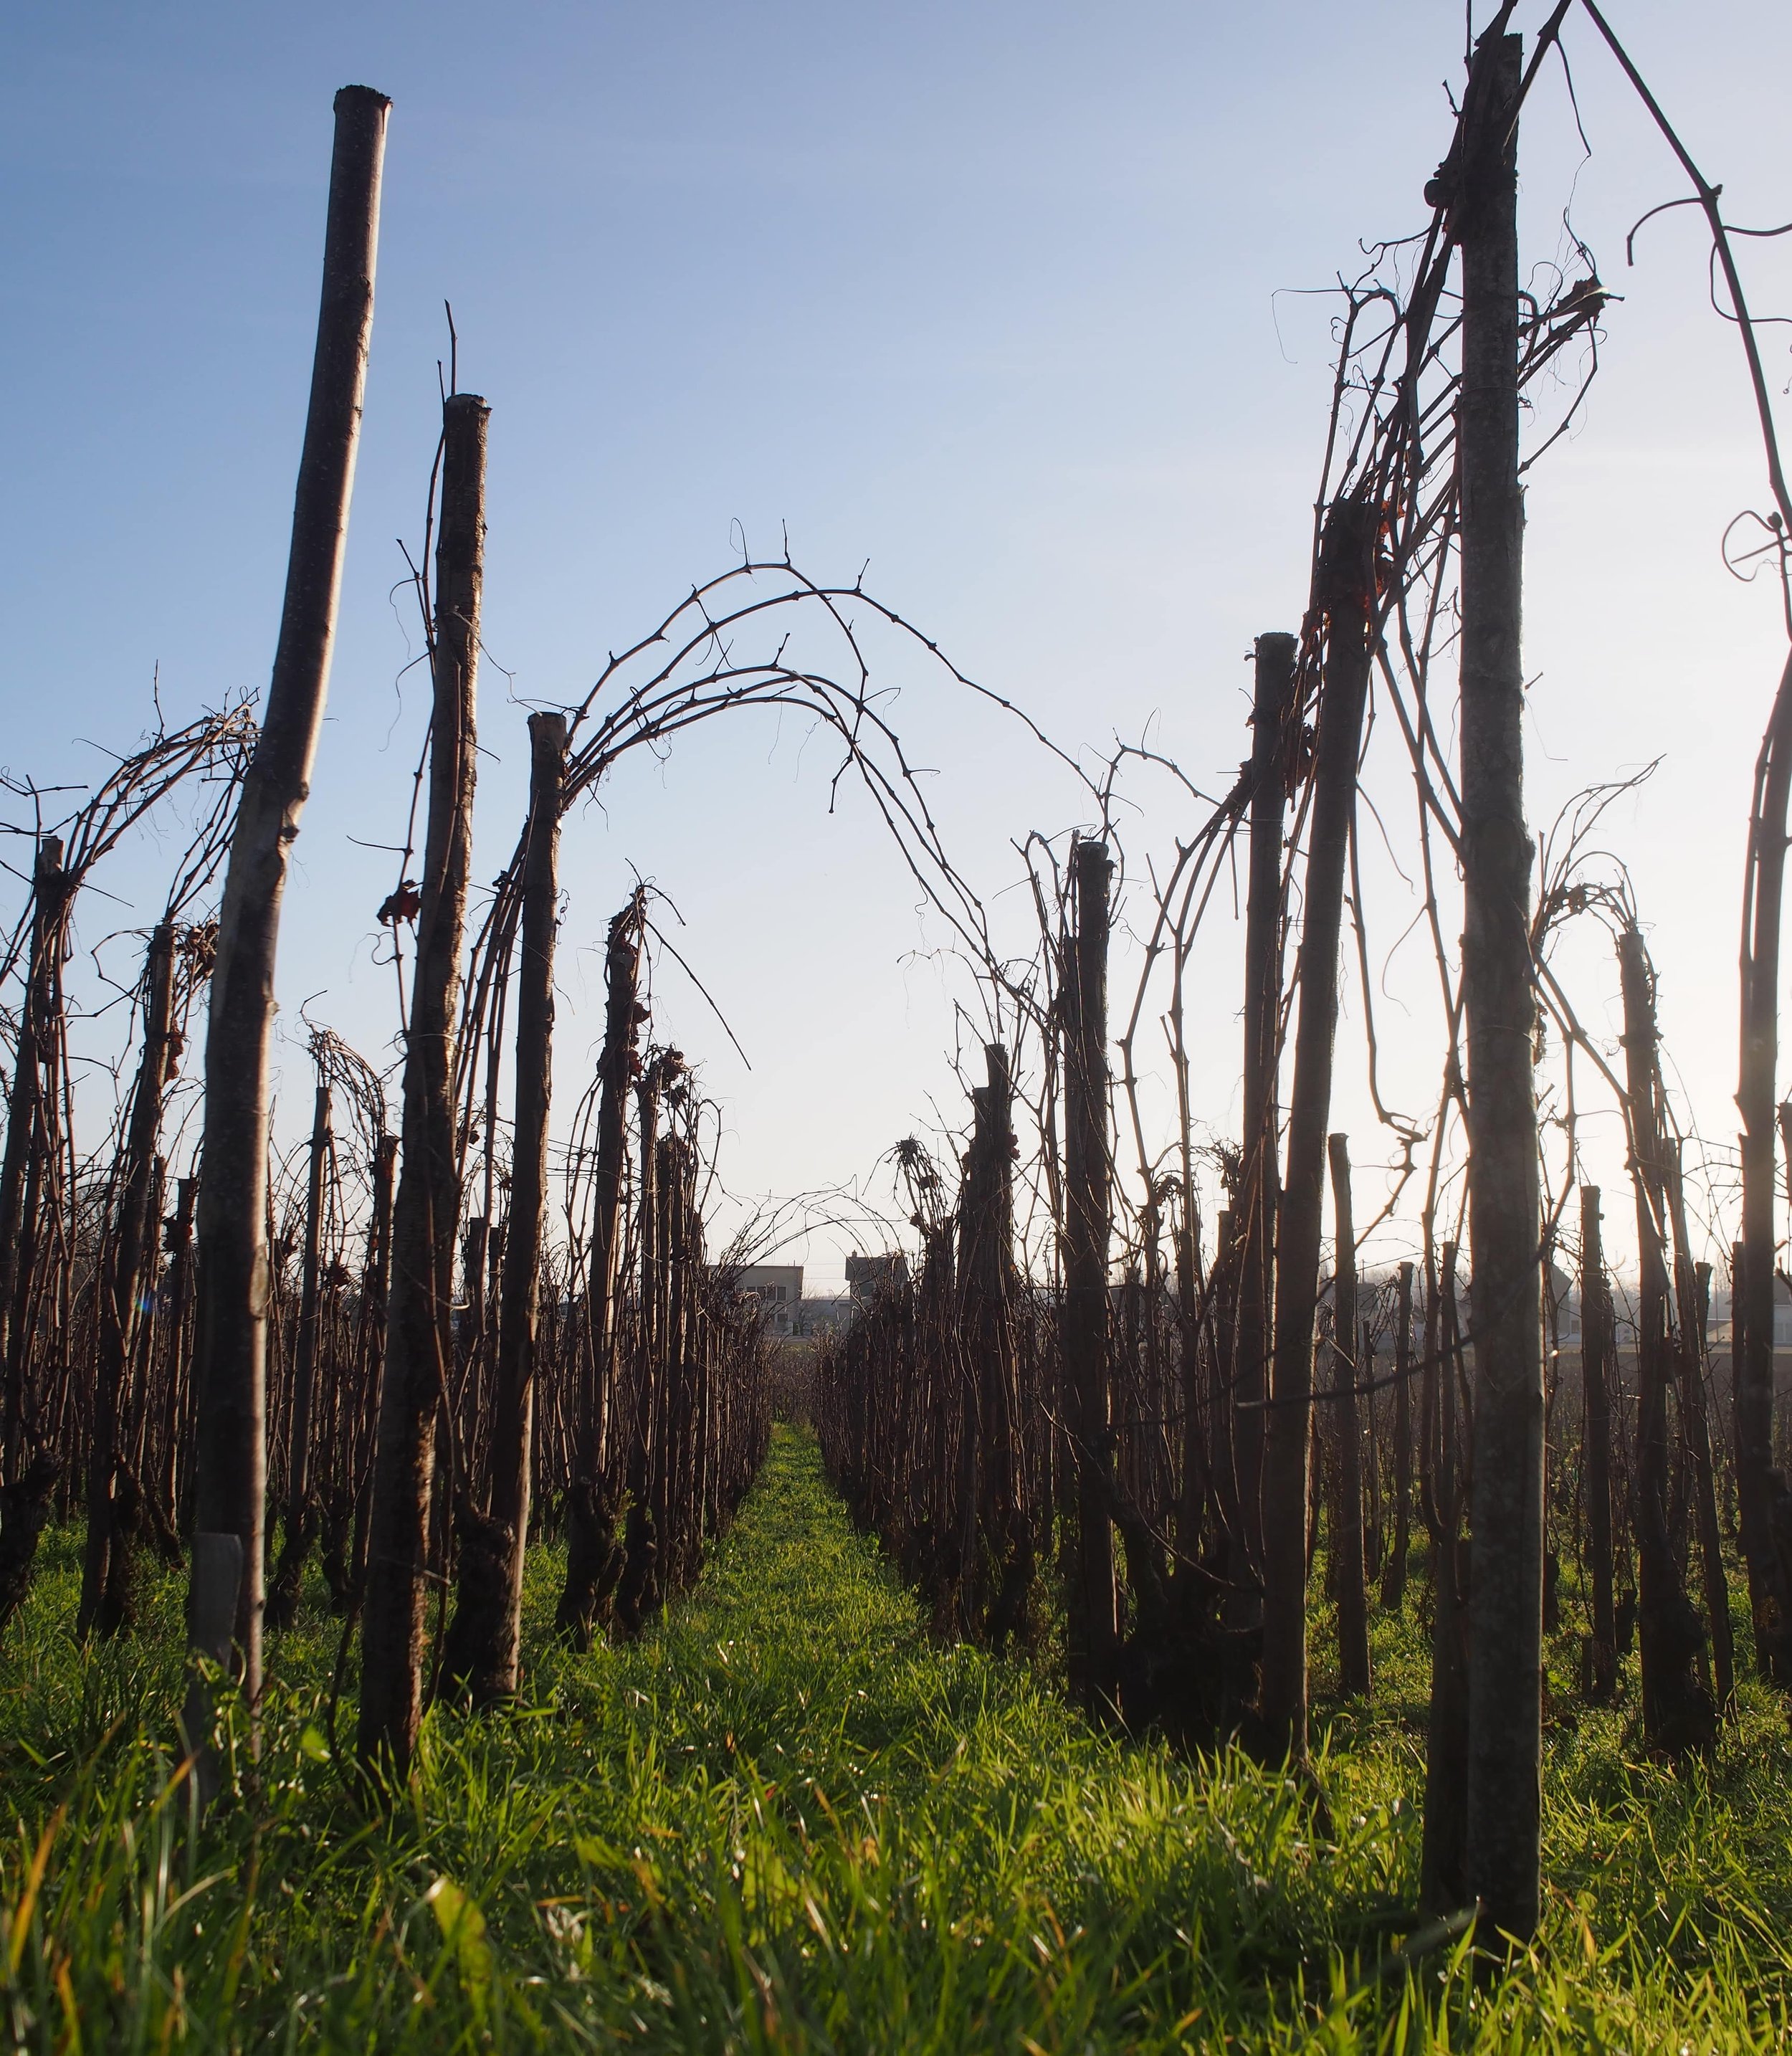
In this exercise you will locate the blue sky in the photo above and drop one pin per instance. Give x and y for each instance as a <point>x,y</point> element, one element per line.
<point>1002,298</point>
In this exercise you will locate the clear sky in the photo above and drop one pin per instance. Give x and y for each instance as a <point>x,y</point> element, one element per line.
<point>1002,297</point>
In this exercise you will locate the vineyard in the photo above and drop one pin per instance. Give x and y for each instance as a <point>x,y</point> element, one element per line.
<point>1226,1581</point>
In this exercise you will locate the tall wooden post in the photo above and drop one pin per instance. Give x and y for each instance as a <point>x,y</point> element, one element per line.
<point>1598,1360</point>
<point>34,1049</point>
<point>1692,1301</point>
<point>1769,1600</point>
<point>420,1325</point>
<point>283,1597</point>
<point>1353,1601</point>
<point>1394,1572</point>
<point>1239,1457</point>
<point>177,1396</point>
<point>1677,1713</point>
<point>121,1287</point>
<point>229,1366</point>
<point>999,1398</point>
<point>1094,1628</point>
<point>1346,581</point>
<point>1443,1863</point>
<point>591,1501</point>
<point>1505,1600</point>
<point>489,1653</point>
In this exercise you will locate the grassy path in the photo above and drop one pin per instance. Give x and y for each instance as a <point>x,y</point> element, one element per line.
<point>786,1821</point>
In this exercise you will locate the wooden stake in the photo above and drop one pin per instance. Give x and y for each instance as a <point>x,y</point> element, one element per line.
<point>420,1329</point>
<point>1240,1439</point>
<point>592,1556</point>
<point>1752,1304</point>
<point>1394,1572</point>
<point>230,1348</point>
<point>1346,577</point>
<point>485,1650</point>
<point>119,1296</point>
<point>282,1598</point>
<point>1346,1538</point>
<point>1094,1628</point>
<point>1678,1713</point>
<point>1598,1362</point>
<point>1506,1601</point>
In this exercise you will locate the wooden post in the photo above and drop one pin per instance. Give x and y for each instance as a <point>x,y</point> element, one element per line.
<point>1598,1360</point>
<point>638,1583</point>
<point>1505,1603</point>
<point>1239,1457</point>
<point>420,1329</point>
<point>592,1549</point>
<point>1346,1540</point>
<point>1003,1515</point>
<point>1443,1865</point>
<point>623,1015</point>
<point>177,1396</point>
<point>282,1598</point>
<point>1394,1572</point>
<point>989,1500</point>
<point>20,1165</point>
<point>1094,1627</point>
<point>1678,1714</point>
<point>1195,1446</point>
<point>961,1590</point>
<point>1346,584</point>
<point>488,1655</point>
<point>1692,1301</point>
<point>376,1292</point>
<point>1752,1305</point>
<point>230,1366</point>
<point>1736,1383</point>
<point>120,1287</point>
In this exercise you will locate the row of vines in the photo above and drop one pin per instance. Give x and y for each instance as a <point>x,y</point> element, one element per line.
<point>462,1310</point>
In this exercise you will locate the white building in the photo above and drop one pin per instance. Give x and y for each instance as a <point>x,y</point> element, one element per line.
<point>778,1287</point>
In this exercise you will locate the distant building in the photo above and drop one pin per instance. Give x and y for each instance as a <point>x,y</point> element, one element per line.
<point>865,1274</point>
<point>824,1316</point>
<point>1723,1314</point>
<point>778,1287</point>
<point>1566,1293</point>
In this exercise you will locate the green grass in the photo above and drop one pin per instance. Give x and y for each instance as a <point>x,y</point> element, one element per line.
<point>786,1821</point>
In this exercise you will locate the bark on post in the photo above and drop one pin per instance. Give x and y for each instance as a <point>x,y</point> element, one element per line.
<point>420,1325</point>
<point>1678,1713</point>
<point>1505,1604</point>
<point>638,1583</point>
<point>486,1649</point>
<point>376,1293</point>
<point>1736,1379</point>
<point>33,1048</point>
<point>1598,1354</point>
<point>107,1535</point>
<point>1691,1297</point>
<point>1094,1627</point>
<point>963,1592</point>
<point>1240,1450</point>
<point>282,1598</point>
<point>1443,1867</point>
<point>1394,1572</point>
<point>1353,1599</point>
<point>1769,1600</point>
<point>592,1556</point>
<point>1346,577</point>
<point>229,1369</point>
<point>177,1399</point>
<point>1196,1459</point>
<point>1002,1514</point>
